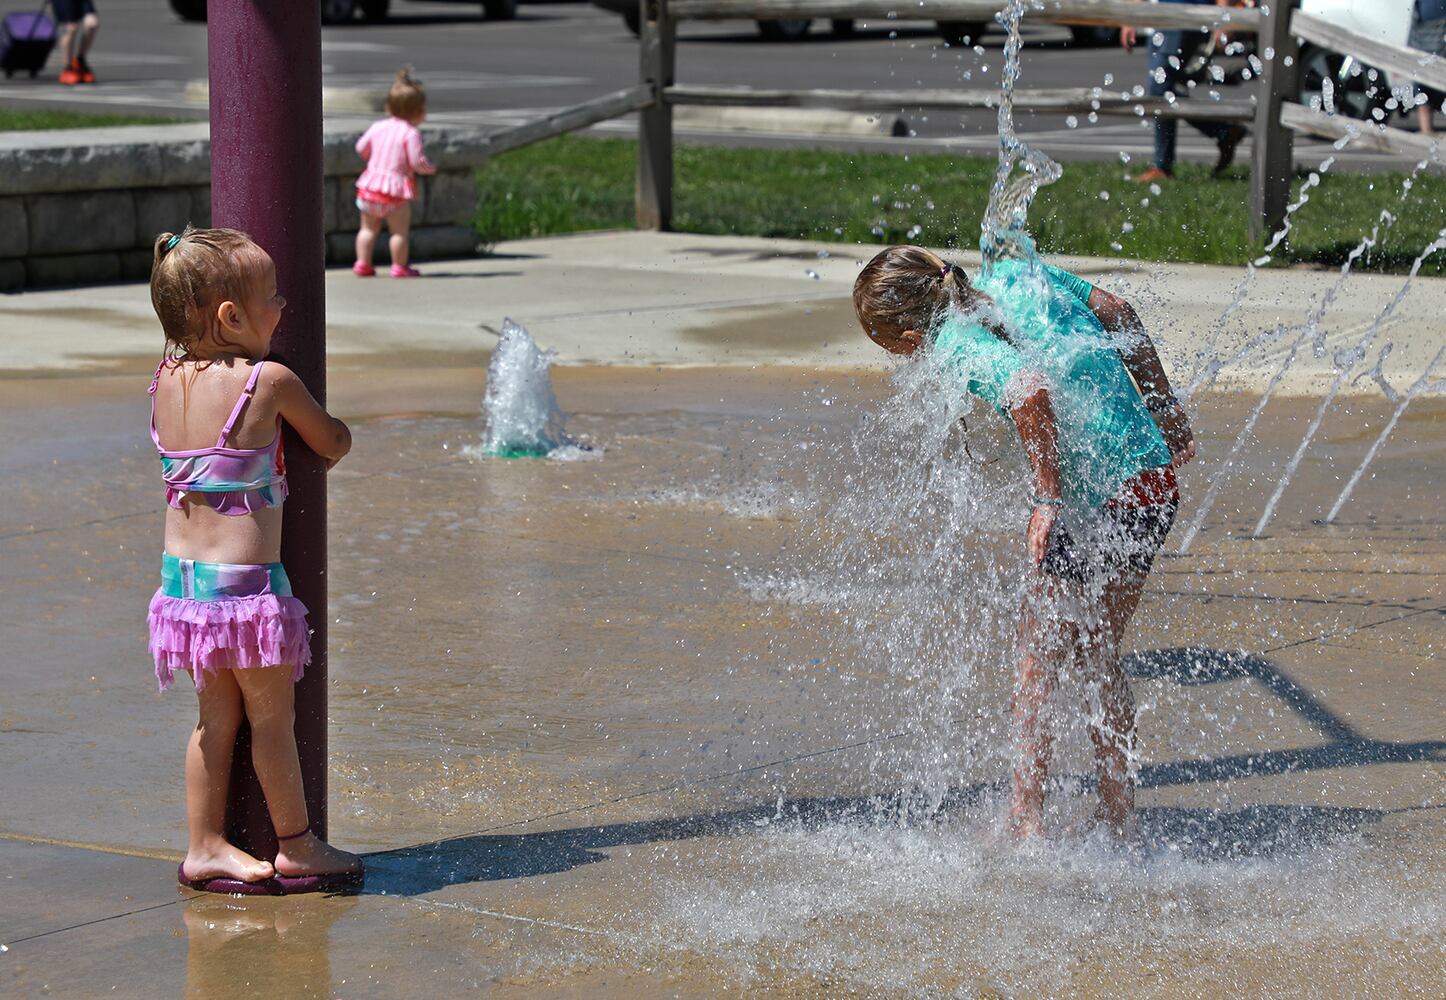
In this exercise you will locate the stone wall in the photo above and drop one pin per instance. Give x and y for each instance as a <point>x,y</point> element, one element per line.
<point>84,205</point>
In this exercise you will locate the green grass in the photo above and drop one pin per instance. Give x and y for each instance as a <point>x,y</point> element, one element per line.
<point>17,120</point>
<point>576,184</point>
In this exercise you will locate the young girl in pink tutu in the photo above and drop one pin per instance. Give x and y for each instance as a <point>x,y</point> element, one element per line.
<point>393,150</point>
<point>224,612</point>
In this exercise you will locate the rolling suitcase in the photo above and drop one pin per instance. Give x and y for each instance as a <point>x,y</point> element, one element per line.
<point>26,41</point>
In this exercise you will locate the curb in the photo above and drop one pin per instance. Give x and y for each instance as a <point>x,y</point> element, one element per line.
<point>788,121</point>
<point>334,100</point>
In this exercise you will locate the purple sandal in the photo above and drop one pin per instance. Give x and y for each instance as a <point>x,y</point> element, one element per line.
<point>276,885</point>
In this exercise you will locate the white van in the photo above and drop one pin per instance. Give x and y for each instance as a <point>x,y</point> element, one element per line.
<point>1356,89</point>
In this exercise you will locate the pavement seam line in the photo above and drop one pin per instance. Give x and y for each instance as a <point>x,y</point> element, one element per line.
<point>97,920</point>
<point>80,845</point>
<point>1351,630</point>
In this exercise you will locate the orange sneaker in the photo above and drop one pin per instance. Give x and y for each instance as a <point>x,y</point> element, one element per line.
<point>87,75</point>
<point>1152,175</point>
<point>70,76</point>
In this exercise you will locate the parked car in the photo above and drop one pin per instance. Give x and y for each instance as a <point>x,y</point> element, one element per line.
<point>346,11</point>
<point>1357,90</point>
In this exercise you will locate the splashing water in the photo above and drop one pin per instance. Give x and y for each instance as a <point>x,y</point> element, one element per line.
<point>1311,331</point>
<point>1011,195</point>
<point>1344,363</point>
<point>521,418</point>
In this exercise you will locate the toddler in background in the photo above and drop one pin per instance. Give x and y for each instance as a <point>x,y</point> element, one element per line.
<point>393,150</point>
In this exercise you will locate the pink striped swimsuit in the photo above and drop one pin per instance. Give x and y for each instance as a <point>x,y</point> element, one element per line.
<point>231,481</point>
<point>392,148</point>
<point>210,616</point>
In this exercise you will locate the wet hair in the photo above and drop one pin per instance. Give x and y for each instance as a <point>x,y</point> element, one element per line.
<point>408,98</point>
<point>910,288</point>
<point>193,272</point>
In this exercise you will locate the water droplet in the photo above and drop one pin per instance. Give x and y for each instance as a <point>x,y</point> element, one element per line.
<point>1104,196</point>
<point>1155,190</point>
<point>1094,117</point>
<point>1072,121</point>
<point>812,274</point>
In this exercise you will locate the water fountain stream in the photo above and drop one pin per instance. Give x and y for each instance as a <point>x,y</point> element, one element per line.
<point>1423,383</point>
<point>521,418</point>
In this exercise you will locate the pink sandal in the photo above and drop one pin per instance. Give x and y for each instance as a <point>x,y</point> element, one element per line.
<point>403,271</point>
<point>363,270</point>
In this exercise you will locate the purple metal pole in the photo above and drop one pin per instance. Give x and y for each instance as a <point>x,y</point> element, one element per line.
<point>266,179</point>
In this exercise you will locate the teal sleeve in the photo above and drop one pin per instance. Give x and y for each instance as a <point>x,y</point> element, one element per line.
<point>1071,283</point>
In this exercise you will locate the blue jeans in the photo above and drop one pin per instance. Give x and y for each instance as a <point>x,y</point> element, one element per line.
<point>1165,79</point>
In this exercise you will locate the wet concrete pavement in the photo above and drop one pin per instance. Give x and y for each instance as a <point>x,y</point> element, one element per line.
<point>589,758</point>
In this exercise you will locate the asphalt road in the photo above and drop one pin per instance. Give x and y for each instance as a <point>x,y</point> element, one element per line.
<point>556,54</point>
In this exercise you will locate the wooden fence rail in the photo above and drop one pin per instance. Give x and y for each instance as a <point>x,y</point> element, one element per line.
<point>1109,13</point>
<point>579,116</point>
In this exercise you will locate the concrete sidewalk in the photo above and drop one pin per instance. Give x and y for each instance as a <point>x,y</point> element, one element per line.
<point>631,298</point>
<point>595,746</point>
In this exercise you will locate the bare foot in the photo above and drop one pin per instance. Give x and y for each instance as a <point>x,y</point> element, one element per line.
<point>1124,826</point>
<point>1025,823</point>
<point>310,855</point>
<point>221,859</point>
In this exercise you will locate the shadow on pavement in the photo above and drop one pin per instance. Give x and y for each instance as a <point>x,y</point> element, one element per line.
<point>1201,834</point>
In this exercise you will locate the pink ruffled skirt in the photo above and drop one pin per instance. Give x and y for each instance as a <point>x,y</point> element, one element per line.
<point>224,616</point>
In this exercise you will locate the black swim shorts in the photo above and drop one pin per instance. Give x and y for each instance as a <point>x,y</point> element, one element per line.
<point>1119,538</point>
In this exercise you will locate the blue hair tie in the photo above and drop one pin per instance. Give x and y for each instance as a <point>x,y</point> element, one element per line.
<point>171,243</point>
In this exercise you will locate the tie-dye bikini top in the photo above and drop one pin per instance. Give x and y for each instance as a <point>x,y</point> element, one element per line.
<point>230,481</point>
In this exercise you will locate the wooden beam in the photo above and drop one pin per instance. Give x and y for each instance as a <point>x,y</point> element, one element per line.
<point>1081,99</point>
<point>579,116</point>
<point>1273,150</point>
<point>1423,67</point>
<point>1362,134</point>
<point>653,196</point>
<point>1164,17</point>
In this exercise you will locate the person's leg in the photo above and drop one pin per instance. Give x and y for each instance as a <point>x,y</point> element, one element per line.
<point>69,32</point>
<point>270,708</point>
<point>366,239</point>
<point>1045,638</point>
<point>69,66</point>
<point>208,775</point>
<point>400,224</point>
<point>1113,730</point>
<point>89,25</point>
<point>1165,49</point>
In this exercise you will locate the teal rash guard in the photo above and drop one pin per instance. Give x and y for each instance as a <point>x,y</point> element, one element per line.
<point>1106,436</point>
